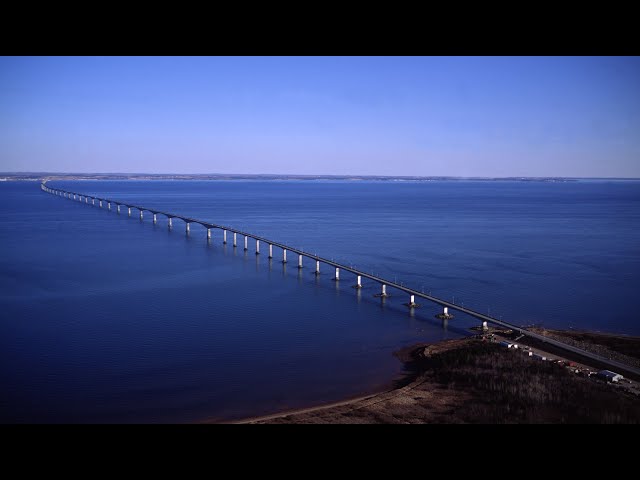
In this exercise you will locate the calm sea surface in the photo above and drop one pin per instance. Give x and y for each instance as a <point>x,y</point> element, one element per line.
<point>109,319</point>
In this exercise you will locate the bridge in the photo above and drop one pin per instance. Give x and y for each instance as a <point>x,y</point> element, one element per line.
<point>338,267</point>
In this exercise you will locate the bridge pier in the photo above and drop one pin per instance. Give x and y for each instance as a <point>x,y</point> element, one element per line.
<point>170,223</point>
<point>412,302</point>
<point>118,208</point>
<point>100,203</point>
<point>208,234</point>
<point>141,215</point>
<point>74,196</point>
<point>257,247</point>
<point>224,237</point>
<point>155,218</point>
<point>235,240</point>
<point>93,201</point>
<point>186,228</point>
<point>284,255</point>
<point>108,205</point>
<point>86,199</point>
<point>358,282</point>
<point>246,240</point>
<point>270,251</point>
<point>383,293</point>
<point>337,275</point>
<point>299,261</point>
<point>129,210</point>
<point>317,267</point>
<point>445,315</point>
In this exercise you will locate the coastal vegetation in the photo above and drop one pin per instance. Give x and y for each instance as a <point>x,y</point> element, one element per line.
<point>474,381</point>
<point>508,387</point>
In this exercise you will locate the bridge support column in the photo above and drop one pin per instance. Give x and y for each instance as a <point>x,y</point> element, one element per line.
<point>224,237</point>
<point>208,234</point>
<point>246,240</point>
<point>170,223</point>
<point>93,201</point>
<point>186,228</point>
<point>358,282</point>
<point>270,251</point>
<point>74,196</point>
<point>118,208</point>
<point>235,239</point>
<point>412,302</point>
<point>129,210</point>
<point>108,205</point>
<point>100,203</point>
<point>86,199</point>
<point>445,315</point>
<point>141,215</point>
<point>299,261</point>
<point>284,255</point>
<point>155,218</point>
<point>337,276</point>
<point>317,267</point>
<point>257,247</point>
<point>383,293</point>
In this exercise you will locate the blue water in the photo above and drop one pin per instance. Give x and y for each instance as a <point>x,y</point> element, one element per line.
<point>109,319</point>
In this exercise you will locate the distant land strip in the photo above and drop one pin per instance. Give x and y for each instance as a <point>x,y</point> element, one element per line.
<point>45,176</point>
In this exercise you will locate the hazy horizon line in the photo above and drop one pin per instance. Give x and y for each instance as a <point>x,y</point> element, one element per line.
<point>40,173</point>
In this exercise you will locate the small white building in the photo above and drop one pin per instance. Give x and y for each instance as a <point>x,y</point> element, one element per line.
<point>610,376</point>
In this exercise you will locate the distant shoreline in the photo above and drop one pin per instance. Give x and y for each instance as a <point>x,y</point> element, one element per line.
<point>40,176</point>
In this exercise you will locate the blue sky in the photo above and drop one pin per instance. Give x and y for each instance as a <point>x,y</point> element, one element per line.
<point>460,116</point>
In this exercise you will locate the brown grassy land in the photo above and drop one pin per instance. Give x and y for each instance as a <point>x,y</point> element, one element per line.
<point>469,381</point>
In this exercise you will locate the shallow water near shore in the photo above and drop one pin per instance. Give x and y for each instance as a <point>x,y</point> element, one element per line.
<point>108,318</point>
